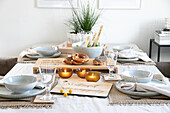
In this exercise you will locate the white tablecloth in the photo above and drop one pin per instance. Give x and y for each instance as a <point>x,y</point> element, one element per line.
<point>75,104</point>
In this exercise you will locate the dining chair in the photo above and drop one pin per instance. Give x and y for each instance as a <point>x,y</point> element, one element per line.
<point>6,64</point>
<point>164,67</point>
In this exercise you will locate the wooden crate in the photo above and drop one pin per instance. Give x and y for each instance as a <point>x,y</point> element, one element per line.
<point>65,48</point>
<point>61,64</point>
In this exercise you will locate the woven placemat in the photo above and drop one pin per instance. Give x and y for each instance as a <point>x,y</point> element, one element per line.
<point>116,97</point>
<point>22,104</point>
<point>136,63</point>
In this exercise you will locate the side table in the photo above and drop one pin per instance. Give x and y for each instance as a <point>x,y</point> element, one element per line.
<point>159,48</point>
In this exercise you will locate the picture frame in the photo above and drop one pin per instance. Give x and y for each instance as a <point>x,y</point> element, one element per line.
<point>119,4</point>
<point>61,4</point>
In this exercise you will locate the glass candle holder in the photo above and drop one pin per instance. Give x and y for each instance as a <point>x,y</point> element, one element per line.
<point>82,71</point>
<point>65,72</point>
<point>92,76</point>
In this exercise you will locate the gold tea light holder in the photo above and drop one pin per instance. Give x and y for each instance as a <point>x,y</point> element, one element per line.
<point>82,71</point>
<point>92,76</point>
<point>65,72</point>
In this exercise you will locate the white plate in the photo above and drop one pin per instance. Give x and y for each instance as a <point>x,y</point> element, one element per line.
<point>137,93</point>
<point>4,93</point>
<point>121,47</point>
<point>127,59</point>
<point>39,56</point>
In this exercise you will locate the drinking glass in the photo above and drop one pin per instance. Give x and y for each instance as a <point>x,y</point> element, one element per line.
<point>111,60</point>
<point>47,74</point>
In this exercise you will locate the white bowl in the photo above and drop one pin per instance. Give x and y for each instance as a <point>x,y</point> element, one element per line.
<point>46,51</point>
<point>137,75</point>
<point>20,84</point>
<point>120,48</point>
<point>92,52</point>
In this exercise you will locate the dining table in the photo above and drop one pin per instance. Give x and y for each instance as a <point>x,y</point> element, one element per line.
<point>84,104</point>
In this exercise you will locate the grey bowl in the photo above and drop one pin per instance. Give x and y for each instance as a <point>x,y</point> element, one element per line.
<point>46,51</point>
<point>120,48</point>
<point>92,52</point>
<point>137,75</point>
<point>20,84</point>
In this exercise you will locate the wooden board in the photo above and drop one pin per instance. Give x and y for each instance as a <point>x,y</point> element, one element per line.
<point>83,88</point>
<point>88,64</point>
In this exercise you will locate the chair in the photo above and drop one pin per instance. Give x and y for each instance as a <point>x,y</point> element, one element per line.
<point>6,64</point>
<point>164,67</point>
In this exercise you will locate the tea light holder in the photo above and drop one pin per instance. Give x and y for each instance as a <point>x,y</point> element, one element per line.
<point>92,76</point>
<point>82,71</point>
<point>65,72</point>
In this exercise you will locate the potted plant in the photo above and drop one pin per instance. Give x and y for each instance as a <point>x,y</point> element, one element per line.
<point>83,20</point>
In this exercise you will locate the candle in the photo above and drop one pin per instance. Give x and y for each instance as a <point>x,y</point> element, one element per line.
<point>81,72</point>
<point>65,72</point>
<point>92,76</point>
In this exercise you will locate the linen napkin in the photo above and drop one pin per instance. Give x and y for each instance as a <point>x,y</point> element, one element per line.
<point>163,89</point>
<point>31,51</point>
<point>133,53</point>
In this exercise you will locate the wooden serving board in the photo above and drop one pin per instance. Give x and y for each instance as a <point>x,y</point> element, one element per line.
<point>61,64</point>
<point>83,88</point>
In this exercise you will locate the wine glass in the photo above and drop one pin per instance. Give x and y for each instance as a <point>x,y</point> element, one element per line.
<point>47,74</point>
<point>111,60</point>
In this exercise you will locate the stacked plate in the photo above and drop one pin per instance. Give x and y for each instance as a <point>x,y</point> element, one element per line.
<point>134,77</point>
<point>44,52</point>
<point>123,59</point>
<point>20,86</point>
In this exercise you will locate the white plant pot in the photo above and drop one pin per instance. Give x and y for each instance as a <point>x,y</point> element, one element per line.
<point>74,38</point>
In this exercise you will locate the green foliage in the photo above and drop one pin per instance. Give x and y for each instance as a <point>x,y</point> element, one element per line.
<point>84,19</point>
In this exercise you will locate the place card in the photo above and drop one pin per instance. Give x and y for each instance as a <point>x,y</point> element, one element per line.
<point>115,77</point>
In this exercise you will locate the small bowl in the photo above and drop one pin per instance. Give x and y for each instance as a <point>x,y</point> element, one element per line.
<point>20,84</point>
<point>120,48</point>
<point>137,75</point>
<point>92,52</point>
<point>65,72</point>
<point>46,51</point>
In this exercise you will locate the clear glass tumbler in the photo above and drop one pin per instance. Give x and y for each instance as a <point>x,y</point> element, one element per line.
<point>47,74</point>
<point>111,60</point>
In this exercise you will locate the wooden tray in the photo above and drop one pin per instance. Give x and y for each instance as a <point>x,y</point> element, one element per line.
<point>83,88</point>
<point>65,48</point>
<point>89,64</point>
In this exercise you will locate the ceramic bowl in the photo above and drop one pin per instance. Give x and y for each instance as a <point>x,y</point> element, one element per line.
<point>120,48</point>
<point>46,51</point>
<point>92,52</point>
<point>20,84</point>
<point>137,75</point>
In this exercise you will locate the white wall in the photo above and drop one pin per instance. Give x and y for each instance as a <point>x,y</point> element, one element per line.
<point>22,25</point>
